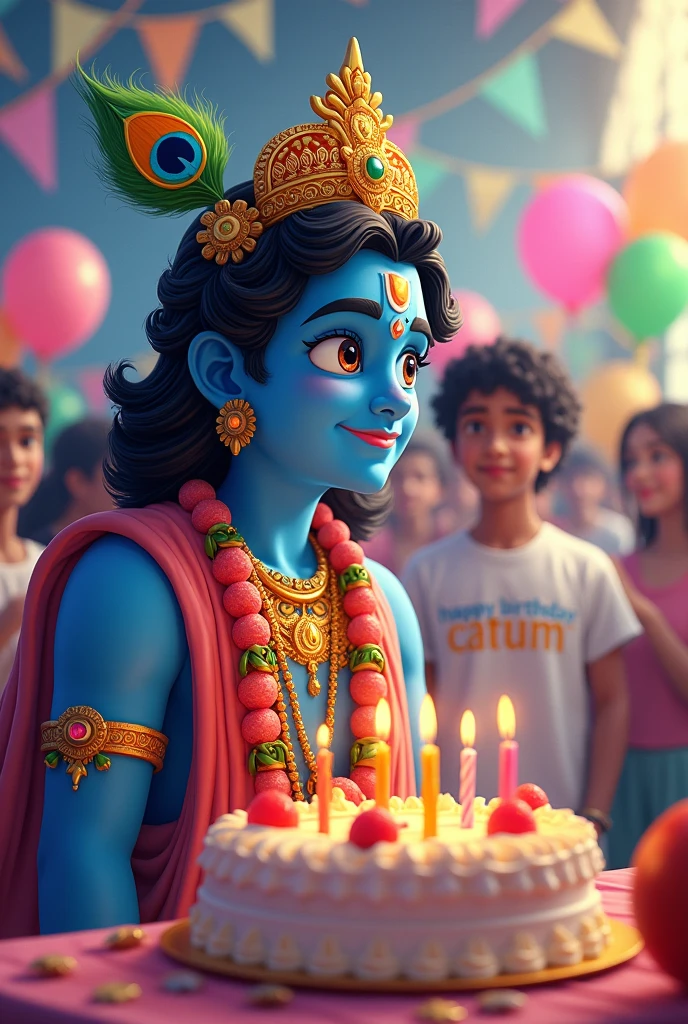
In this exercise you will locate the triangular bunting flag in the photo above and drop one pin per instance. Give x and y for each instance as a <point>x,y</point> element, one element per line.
<point>491,15</point>
<point>10,349</point>
<point>27,127</point>
<point>10,63</point>
<point>429,174</point>
<point>252,21</point>
<point>550,324</point>
<point>169,44</point>
<point>517,93</point>
<point>488,189</point>
<point>75,26</point>
<point>404,133</point>
<point>583,24</point>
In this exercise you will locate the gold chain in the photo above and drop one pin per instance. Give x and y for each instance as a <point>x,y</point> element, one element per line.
<point>337,660</point>
<point>292,589</point>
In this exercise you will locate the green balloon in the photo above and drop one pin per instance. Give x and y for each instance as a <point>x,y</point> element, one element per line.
<point>648,284</point>
<point>65,406</point>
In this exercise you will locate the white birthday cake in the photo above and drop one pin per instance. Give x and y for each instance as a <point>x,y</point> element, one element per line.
<point>464,904</point>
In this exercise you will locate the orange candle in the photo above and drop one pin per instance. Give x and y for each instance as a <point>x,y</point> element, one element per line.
<point>323,787</point>
<point>430,766</point>
<point>383,760</point>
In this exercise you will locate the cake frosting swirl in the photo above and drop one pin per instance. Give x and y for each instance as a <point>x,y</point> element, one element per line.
<point>463,904</point>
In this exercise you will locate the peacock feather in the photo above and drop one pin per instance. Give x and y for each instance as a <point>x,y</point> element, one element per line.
<point>158,152</point>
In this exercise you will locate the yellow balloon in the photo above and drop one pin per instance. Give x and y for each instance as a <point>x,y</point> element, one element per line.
<point>10,348</point>
<point>610,397</point>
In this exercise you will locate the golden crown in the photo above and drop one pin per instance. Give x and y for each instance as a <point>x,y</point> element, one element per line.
<point>347,158</point>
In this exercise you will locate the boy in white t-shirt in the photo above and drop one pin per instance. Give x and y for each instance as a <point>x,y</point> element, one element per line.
<point>516,605</point>
<point>23,411</point>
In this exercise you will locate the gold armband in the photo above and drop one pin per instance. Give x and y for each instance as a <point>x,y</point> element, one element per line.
<point>80,735</point>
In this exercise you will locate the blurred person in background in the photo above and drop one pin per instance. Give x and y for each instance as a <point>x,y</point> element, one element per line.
<point>74,486</point>
<point>418,482</point>
<point>23,410</point>
<point>654,465</point>
<point>585,488</point>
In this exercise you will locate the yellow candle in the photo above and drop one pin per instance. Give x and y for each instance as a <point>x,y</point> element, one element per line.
<point>323,787</point>
<point>383,760</point>
<point>430,766</point>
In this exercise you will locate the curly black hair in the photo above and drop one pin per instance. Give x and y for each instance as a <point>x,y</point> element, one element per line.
<point>536,377</point>
<point>18,390</point>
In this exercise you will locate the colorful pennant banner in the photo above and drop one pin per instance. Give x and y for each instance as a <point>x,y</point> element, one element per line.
<point>28,129</point>
<point>430,173</point>
<point>550,324</point>
<point>169,44</point>
<point>487,190</point>
<point>75,26</point>
<point>10,64</point>
<point>492,14</point>
<point>581,23</point>
<point>252,21</point>
<point>516,92</point>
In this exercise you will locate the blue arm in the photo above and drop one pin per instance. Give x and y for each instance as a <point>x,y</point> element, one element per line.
<point>411,644</point>
<point>119,646</point>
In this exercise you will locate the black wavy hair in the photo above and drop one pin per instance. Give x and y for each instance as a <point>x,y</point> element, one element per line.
<point>164,431</point>
<point>17,389</point>
<point>535,377</point>
<point>670,421</point>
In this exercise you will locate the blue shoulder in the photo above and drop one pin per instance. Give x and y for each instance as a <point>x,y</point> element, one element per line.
<point>120,640</point>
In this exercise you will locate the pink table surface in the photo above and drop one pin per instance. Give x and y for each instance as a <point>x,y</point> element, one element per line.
<point>636,992</point>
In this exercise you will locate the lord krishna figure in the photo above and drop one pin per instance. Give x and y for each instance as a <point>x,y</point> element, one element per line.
<point>179,654</point>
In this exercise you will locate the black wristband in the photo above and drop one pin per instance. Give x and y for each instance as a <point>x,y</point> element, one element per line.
<point>597,817</point>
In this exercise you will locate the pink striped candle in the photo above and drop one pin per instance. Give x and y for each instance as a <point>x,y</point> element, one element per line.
<point>469,765</point>
<point>508,749</point>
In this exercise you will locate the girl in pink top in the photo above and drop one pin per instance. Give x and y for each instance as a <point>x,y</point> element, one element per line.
<point>654,463</point>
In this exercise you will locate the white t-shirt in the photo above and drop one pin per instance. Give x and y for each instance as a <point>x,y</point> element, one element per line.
<point>525,622</point>
<point>14,580</point>
<point>612,532</point>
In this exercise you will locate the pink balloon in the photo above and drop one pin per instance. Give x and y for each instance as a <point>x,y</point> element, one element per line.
<point>568,236</point>
<point>56,287</point>
<point>481,326</point>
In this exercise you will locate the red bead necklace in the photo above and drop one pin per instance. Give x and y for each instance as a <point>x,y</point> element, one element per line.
<point>265,726</point>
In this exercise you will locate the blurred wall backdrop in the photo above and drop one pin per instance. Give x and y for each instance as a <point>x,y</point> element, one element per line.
<point>491,97</point>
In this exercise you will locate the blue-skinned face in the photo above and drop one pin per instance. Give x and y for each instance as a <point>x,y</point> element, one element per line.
<point>340,403</point>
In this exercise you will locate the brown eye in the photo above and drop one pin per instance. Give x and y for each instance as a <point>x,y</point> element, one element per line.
<point>337,355</point>
<point>349,355</point>
<point>409,369</point>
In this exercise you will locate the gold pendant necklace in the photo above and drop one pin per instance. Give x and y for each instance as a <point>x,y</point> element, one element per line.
<point>288,633</point>
<point>303,612</point>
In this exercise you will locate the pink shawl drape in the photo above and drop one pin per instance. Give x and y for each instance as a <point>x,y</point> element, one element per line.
<point>164,860</point>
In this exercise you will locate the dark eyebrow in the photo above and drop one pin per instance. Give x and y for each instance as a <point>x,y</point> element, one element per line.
<point>423,327</point>
<point>520,410</point>
<point>471,410</point>
<point>366,306</point>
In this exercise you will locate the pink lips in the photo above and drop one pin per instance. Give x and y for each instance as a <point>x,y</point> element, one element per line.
<point>376,438</point>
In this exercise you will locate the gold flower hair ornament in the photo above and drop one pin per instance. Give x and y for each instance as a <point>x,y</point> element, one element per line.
<point>167,156</point>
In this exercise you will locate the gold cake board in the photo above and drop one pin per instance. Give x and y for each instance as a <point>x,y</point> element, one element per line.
<point>175,941</point>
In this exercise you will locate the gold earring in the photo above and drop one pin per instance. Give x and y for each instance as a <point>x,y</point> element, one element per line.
<point>236,424</point>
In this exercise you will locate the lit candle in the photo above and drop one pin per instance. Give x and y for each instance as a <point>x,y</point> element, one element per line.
<point>508,748</point>
<point>469,764</point>
<point>383,762</point>
<point>324,784</point>
<point>430,765</point>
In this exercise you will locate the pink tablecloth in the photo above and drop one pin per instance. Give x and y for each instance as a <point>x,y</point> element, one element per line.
<point>636,992</point>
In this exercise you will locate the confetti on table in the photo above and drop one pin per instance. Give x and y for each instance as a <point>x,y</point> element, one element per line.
<point>126,938</point>
<point>501,1000</point>
<point>53,966</point>
<point>182,981</point>
<point>270,995</point>
<point>116,992</point>
<point>441,1010</point>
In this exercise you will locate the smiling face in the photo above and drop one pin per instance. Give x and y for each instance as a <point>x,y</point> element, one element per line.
<point>500,445</point>
<point>340,403</point>
<point>21,455</point>
<point>653,473</point>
